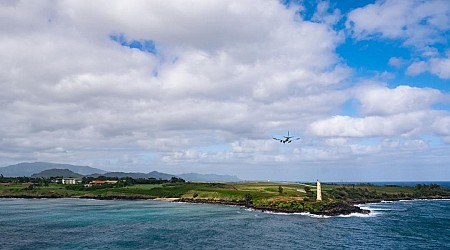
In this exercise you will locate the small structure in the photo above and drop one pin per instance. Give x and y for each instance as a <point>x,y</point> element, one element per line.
<point>319,191</point>
<point>99,182</point>
<point>70,181</point>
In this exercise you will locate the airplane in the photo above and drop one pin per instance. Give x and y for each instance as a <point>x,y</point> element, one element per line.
<point>287,138</point>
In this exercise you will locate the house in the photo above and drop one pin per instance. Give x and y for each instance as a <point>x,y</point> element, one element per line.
<point>70,181</point>
<point>98,182</point>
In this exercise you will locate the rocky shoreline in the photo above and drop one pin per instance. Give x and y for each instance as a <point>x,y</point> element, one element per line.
<point>333,209</point>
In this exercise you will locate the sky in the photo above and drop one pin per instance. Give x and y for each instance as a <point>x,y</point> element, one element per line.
<point>182,86</point>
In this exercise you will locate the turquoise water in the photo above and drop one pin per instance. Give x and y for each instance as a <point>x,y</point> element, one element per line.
<point>100,224</point>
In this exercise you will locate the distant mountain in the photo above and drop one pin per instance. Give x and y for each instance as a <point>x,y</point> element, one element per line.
<point>27,169</point>
<point>153,174</point>
<point>209,177</point>
<point>56,172</point>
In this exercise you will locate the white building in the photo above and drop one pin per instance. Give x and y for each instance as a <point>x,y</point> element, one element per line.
<point>319,191</point>
<point>70,181</point>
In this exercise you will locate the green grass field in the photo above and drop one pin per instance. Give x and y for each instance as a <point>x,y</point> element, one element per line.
<point>260,192</point>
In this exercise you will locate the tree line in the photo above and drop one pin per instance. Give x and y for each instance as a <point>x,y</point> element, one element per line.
<point>121,182</point>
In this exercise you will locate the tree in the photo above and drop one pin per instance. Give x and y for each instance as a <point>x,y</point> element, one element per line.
<point>280,189</point>
<point>248,198</point>
<point>175,179</point>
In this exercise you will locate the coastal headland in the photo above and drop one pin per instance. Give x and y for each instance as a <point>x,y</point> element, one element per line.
<point>337,199</point>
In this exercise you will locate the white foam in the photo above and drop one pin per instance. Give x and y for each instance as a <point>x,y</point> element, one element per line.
<point>371,209</point>
<point>280,213</point>
<point>371,214</point>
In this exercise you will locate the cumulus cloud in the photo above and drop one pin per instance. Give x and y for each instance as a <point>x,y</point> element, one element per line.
<point>235,74</point>
<point>345,126</point>
<point>381,100</point>
<point>418,23</point>
<point>417,68</point>
<point>441,126</point>
<point>440,67</point>
<point>385,112</point>
<point>396,62</point>
<point>421,25</point>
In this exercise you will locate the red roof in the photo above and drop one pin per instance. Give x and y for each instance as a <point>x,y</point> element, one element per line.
<point>98,182</point>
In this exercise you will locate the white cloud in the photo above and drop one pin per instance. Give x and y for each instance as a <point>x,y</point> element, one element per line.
<point>421,25</point>
<point>345,126</point>
<point>418,23</point>
<point>326,14</point>
<point>442,126</point>
<point>225,67</point>
<point>396,62</point>
<point>417,68</point>
<point>252,146</point>
<point>380,100</point>
<point>440,67</point>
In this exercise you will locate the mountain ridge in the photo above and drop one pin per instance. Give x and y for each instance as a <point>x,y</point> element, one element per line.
<point>35,168</point>
<point>30,168</point>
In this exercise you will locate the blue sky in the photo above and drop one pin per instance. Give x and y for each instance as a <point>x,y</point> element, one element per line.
<point>189,86</point>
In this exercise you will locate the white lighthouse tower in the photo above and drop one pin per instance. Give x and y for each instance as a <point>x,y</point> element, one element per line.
<point>319,191</point>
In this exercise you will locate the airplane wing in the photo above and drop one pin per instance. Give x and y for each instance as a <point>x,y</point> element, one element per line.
<point>276,139</point>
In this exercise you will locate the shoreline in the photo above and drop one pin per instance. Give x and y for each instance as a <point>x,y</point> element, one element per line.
<point>338,208</point>
<point>334,209</point>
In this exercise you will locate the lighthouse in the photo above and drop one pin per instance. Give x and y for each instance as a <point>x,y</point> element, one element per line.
<point>319,192</point>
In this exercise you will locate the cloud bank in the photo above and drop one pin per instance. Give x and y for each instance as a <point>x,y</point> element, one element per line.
<point>184,86</point>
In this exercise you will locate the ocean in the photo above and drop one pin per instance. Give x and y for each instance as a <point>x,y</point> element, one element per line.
<point>149,224</point>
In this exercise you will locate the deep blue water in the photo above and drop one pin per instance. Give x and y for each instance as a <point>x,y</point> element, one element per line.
<point>100,224</point>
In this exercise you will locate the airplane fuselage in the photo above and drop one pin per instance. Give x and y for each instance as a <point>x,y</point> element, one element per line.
<point>285,139</point>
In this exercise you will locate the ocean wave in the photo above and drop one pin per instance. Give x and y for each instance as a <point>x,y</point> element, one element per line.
<point>371,214</point>
<point>373,210</point>
<point>370,208</point>
<point>277,213</point>
<point>430,200</point>
<point>290,214</point>
<point>313,215</point>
